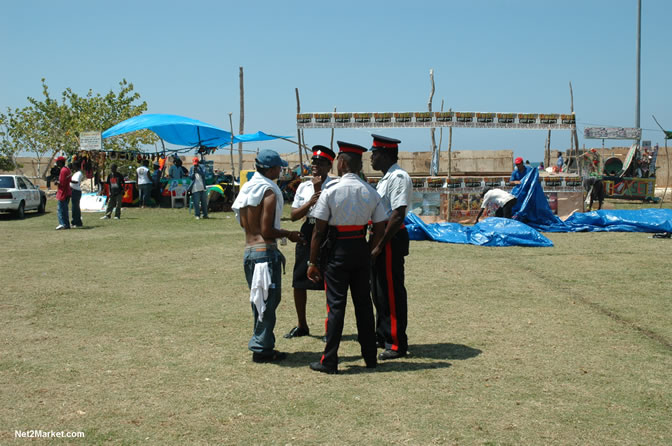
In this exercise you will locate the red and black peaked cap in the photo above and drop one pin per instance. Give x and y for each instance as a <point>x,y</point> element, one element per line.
<point>346,147</point>
<point>383,142</point>
<point>324,153</point>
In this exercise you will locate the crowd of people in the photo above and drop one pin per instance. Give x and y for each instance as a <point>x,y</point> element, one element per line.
<point>332,250</point>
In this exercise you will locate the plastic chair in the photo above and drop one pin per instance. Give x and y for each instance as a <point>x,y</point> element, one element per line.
<point>178,192</point>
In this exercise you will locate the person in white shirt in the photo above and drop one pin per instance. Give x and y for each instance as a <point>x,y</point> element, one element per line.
<point>499,201</point>
<point>144,183</point>
<point>387,272</point>
<point>76,186</point>
<point>305,198</point>
<point>344,208</point>
<point>199,193</point>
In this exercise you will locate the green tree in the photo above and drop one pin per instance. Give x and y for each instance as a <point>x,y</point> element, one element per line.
<point>48,126</point>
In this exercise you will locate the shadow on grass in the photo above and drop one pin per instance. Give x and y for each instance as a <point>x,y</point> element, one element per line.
<point>6,216</point>
<point>439,353</point>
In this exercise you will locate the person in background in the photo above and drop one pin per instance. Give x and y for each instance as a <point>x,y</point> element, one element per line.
<point>115,183</point>
<point>519,172</point>
<point>156,182</point>
<point>76,186</point>
<point>175,171</point>
<point>304,201</point>
<point>199,193</point>
<point>498,200</point>
<point>560,163</point>
<point>144,183</point>
<point>541,166</point>
<point>258,209</point>
<point>527,164</point>
<point>63,194</point>
<point>184,170</point>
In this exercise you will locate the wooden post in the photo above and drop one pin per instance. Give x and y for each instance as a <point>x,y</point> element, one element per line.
<point>575,137</point>
<point>547,150</point>
<point>241,128</point>
<point>233,169</point>
<point>331,144</point>
<point>434,163</point>
<point>440,135</point>
<point>450,150</point>
<point>298,131</point>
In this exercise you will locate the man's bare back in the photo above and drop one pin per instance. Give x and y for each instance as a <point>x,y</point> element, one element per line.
<point>258,223</point>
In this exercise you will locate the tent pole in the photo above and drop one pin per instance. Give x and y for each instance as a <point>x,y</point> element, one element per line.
<point>298,131</point>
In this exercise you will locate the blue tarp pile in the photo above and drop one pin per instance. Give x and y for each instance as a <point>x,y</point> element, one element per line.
<point>533,214</point>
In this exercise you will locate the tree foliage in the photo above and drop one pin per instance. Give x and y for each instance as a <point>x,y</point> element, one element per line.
<point>49,126</point>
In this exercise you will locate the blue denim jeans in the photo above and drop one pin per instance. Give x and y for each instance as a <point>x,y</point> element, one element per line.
<point>76,211</point>
<point>263,339</point>
<point>145,194</point>
<point>200,200</point>
<point>63,217</point>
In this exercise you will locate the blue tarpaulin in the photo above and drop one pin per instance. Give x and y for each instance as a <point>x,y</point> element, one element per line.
<point>533,214</point>
<point>183,131</point>
<point>490,232</point>
<point>532,208</point>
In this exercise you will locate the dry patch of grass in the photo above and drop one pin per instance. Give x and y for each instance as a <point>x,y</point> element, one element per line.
<point>136,331</point>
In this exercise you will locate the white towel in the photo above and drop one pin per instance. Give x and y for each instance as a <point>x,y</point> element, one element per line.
<point>261,282</point>
<point>253,192</point>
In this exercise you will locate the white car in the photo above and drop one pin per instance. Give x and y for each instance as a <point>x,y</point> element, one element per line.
<point>18,194</point>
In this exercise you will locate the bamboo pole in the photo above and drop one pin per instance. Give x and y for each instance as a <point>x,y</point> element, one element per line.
<point>241,128</point>
<point>298,131</point>
<point>233,169</point>
<point>434,163</point>
<point>547,150</point>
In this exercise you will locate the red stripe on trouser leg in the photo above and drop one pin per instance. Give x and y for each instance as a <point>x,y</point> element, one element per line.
<point>390,296</point>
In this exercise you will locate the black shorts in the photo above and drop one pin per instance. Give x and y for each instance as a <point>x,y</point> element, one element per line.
<point>300,279</point>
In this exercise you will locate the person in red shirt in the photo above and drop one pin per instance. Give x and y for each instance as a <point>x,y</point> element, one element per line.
<point>63,194</point>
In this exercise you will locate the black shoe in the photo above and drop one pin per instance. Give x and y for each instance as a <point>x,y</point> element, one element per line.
<point>319,367</point>
<point>274,356</point>
<point>391,354</point>
<point>324,339</point>
<point>297,332</point>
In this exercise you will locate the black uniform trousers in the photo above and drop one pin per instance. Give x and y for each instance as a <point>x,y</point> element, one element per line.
<point>389,293</point>
<point>348,267</point>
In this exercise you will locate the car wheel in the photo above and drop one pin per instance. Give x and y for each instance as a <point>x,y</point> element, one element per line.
<point>21,211</point>
<point>42,206</point>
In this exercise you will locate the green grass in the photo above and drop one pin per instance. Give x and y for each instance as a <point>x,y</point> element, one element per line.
<point>136,331</point>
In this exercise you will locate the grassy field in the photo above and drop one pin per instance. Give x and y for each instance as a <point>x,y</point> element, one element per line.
<point>136,331</point>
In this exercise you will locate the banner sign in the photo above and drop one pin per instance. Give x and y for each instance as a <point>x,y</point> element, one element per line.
<point>539,121</point>
<point>612,133</point>
<point>90,141</point>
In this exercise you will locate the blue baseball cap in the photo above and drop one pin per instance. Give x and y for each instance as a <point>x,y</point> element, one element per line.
<point>269,158</point>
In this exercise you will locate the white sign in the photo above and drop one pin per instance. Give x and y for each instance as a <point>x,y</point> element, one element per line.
<point>612,133</point>
<point>90,141</point>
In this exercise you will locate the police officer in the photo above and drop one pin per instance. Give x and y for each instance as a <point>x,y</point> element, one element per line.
<point>344,208</point>
<point>387,272</point>
<point>304,200</point>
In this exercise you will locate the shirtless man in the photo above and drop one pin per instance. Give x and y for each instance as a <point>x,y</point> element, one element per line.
<point>258,209</point>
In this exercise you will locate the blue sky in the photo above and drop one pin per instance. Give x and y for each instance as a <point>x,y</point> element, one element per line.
<point>487,55</point>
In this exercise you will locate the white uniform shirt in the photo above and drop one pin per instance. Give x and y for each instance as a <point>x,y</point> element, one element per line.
<point>396,188</point>
<point>78,177</point>
<point>495,199</point>
<point>349,201</point>
<point>304,193</point>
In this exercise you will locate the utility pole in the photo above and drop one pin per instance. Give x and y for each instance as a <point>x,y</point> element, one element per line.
<point>639,60</point>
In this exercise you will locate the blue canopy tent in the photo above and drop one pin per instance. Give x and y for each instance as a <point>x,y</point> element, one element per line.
<point>183,131</point>
<point>178,130</point>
